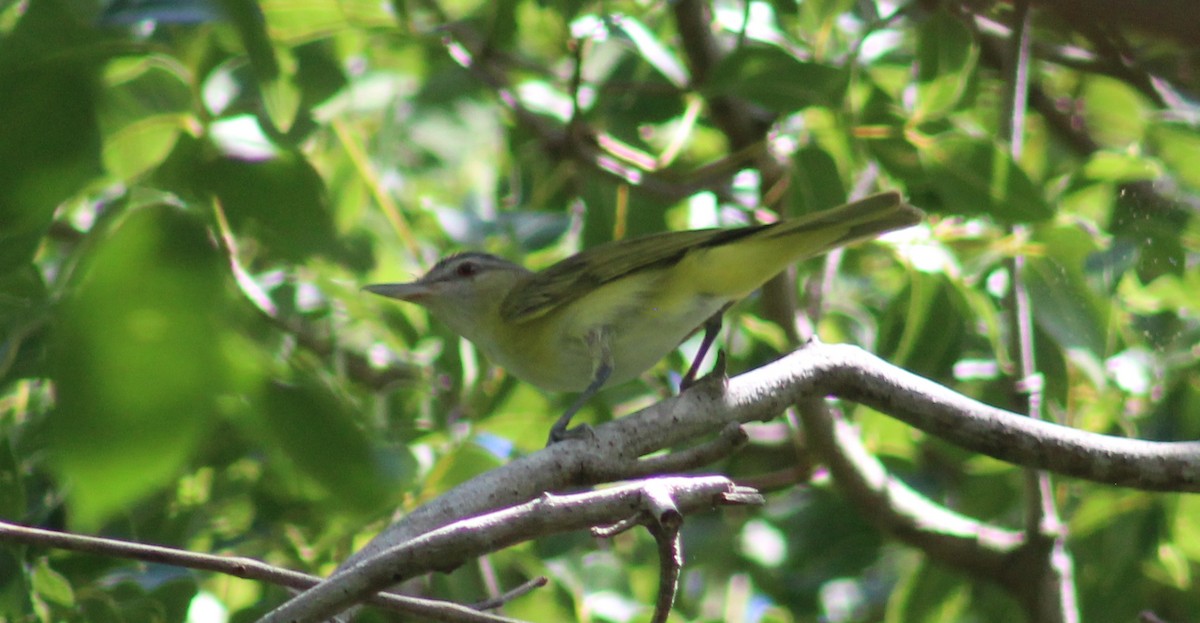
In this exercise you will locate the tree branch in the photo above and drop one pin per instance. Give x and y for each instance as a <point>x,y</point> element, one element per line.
<point>247,568</point>
<point>451,545</point>
<point>815,370</point>
<point>670,564</point>
<point>812,372</point>
<point>511,594</point>
<point>945,536</point>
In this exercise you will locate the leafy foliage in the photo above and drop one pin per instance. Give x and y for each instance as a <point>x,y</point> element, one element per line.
<point>192,192</point>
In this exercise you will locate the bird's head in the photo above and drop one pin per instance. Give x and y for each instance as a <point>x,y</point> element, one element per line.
<point>464,291</point>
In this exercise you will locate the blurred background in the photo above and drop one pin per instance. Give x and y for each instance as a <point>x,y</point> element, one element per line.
<point>192,193</point>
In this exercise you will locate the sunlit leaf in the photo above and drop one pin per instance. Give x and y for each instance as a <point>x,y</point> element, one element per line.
<point>653,50</point>
<point>51,585</point>
<point>1115,113</point>
<point>456,467</point>
<point>1120,167</point>
<point>1186,526</point>
<point>295,22</point>
<point>1177,145</point>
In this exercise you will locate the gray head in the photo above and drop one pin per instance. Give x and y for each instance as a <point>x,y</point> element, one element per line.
<point>463,290</point>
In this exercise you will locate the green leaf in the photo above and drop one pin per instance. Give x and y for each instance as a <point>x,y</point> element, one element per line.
<point>1177,145</point>
<point>946,55</point>
<point>281,101</point>
<point>294,23</point>
<point>1063,304</point>
<point>281,202</point>
<point>138,361</point>
<point>975,176</point>
<point>933,594</point>
<point>776,80</point>
<point>1115,113</point>
<point>644,213</point>
<point>1119,167</point>
<point>924,327</point>
<point>319,76</point>
<point>51,585</point>
<point>248,20</point>
<point>22,298</point>
<point>882,128</point>
<point>12,483</point>
<point>315,428</point>
<point>650,48</point>
<point>460,465</point>
<point>143,109</point>
<point>15,590</point>
<point>49,67</point>
<point>816,183</point>
<point>1186,526</point>
<point>1158,228</point>
<point>817,15</point>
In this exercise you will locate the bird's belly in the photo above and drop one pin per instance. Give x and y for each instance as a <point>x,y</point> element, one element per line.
<point>652,333</point>
<point>638,339</point>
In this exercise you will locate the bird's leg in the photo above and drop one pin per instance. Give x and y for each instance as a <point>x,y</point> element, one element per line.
<point>598,346</point>
<point>712,328</point>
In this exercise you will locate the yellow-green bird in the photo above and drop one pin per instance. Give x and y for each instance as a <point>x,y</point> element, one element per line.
<point>607,314</point>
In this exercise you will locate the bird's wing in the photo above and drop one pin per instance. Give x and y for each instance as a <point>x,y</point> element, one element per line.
<point>586,271</point>
<point>579,275</point>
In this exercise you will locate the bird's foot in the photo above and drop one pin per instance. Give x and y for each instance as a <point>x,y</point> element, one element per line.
<point>583,431</point>
<point>717,375</point>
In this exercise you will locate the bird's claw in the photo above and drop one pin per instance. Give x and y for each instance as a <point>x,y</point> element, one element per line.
<point>583,431</point>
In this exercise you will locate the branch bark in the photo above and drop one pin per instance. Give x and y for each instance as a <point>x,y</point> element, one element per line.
<point>815,370</point>
<point>809,374</point>
<point>453,544</point>
<point>236,566</point>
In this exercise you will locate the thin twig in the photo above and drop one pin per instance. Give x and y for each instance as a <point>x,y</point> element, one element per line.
<point>1053,587</point>
<point>620,526</point>
<point>670,564</point>
<point>730,439</point>
<point>247,568</point>
<point>519,591</point>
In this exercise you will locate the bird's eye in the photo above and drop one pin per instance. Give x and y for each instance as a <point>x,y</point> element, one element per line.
<point>467,269</point>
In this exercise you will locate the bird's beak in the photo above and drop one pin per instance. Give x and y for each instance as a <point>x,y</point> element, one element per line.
<point>412,292</point>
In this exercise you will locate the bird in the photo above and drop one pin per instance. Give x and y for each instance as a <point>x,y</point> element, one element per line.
<point>607,314</point>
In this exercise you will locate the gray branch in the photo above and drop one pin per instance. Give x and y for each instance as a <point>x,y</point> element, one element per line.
<point>816,370</point>
<point>813,372</point>
<point>662,500</point>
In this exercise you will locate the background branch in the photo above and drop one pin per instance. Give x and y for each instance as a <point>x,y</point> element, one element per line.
<point>240,567</point>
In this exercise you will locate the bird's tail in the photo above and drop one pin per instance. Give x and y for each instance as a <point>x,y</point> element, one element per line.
<point>859,220</point>
<point>732,263</point>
